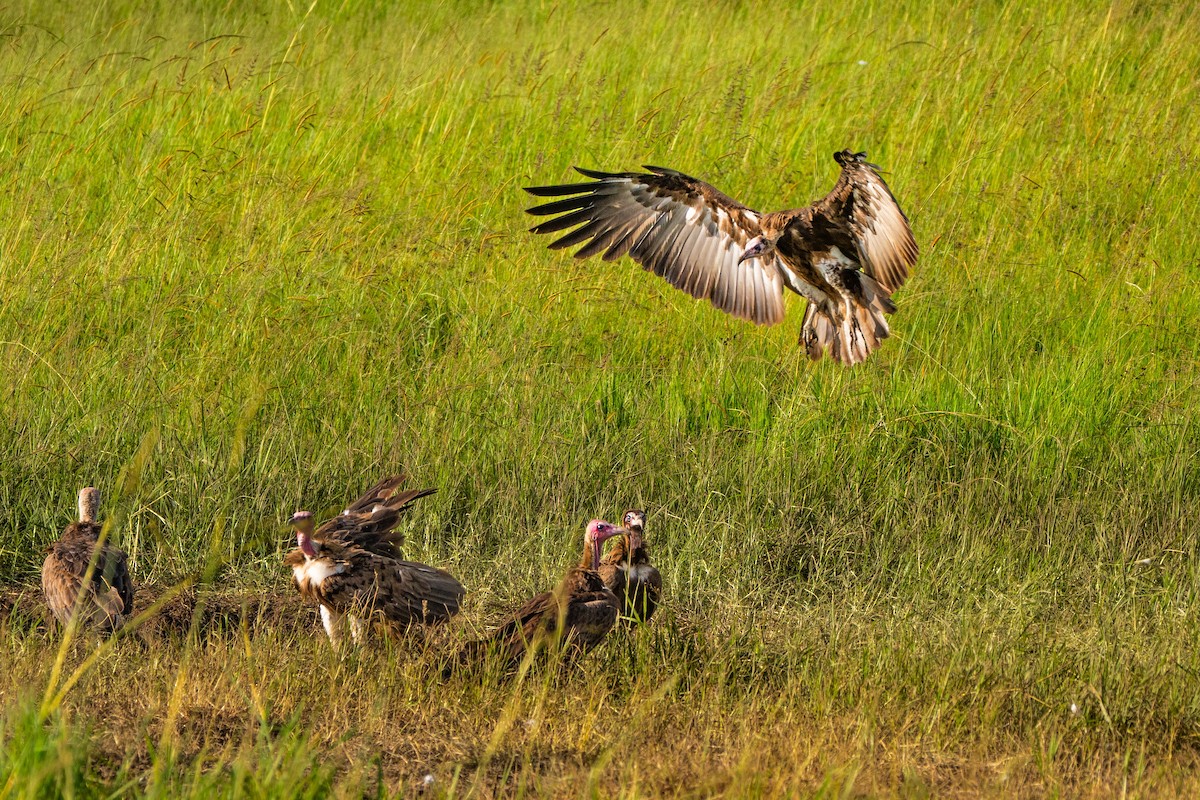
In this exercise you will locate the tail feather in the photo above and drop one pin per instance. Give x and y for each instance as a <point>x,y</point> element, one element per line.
<point>849,337</point>
<point>444,594</point>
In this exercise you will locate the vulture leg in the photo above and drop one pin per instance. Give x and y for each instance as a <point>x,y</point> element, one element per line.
<point>820,331</point>
<point>358,628</point>
<point>333,622</point>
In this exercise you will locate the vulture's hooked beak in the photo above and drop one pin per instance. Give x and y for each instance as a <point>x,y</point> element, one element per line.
<point>616,531</point>
<point>754,248</point>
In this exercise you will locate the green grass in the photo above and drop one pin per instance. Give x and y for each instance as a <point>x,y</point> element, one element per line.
<point>254,256</point>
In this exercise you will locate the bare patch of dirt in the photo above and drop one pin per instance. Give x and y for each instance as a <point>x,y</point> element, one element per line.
<point>209,612</point>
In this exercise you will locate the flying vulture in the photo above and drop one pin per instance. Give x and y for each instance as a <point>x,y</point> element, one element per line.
<point>352,567</point>
<point>846,253</point>
<point>574,617</point>
<point>628,573</point>
<point>105,597</point>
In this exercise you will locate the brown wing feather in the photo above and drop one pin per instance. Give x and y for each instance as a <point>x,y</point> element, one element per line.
<point>403,593</point>
<point>587,609</point>
<point>510,639</point>
<point>636,597</point>
<point>642,595</point>
<point>610,570</point>
<point>418,592</point>
<point>378,494</point>
<point>60,585</point>
<point>117,565</point>
<point>863,203</point>
<point>678,227</point>
<point>107,597</point>
<point>369,521</point>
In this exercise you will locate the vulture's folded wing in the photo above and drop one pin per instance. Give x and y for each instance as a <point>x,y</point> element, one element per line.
<point>676,226</point>
<point>116,572</point>
<point>590,615</point>
<point>863,203</point>
<point>60,585</point>
<point>419,592</point>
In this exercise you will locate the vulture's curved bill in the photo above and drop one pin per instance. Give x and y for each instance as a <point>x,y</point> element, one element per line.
<point>845,253</point>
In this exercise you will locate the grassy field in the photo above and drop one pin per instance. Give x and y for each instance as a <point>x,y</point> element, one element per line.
<point>254,256</point>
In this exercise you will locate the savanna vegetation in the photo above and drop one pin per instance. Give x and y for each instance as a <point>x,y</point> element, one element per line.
<point>254,256</point>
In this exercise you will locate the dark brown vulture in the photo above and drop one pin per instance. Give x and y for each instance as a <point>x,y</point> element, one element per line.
<point>573,618</point>
<point>846,253</point>
<point>627,571</point>
<point>352,567</point>
<point>106,597</point>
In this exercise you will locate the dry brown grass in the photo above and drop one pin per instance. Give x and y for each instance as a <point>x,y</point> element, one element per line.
<point>260,674</point>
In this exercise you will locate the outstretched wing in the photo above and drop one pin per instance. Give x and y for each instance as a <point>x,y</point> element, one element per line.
<point>680,228</point>
<point>862,202</point>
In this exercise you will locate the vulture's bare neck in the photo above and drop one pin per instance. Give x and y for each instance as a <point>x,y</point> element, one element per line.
<point>590,558</point>
<point>89,504</point>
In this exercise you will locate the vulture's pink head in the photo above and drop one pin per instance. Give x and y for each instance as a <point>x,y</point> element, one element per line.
<point>758,247</point>
<point>599,531</point>
<point>303,522</point>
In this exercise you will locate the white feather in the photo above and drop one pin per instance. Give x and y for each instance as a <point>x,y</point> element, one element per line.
<point>315,571</point>
<point>357,628</point>
<point>640,572</point>
<point>332,622</point>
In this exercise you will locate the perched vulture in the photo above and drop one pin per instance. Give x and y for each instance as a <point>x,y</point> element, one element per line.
<point>353,569</point>
<point>846,253</point>
<point>574,617</point>
<point>105,597</point>
<point>627,571</point>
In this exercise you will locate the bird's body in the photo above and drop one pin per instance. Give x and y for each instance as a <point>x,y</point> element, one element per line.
<point>353,568</point>
<point>846,253</point>
<point>628,573</point>
<point>105,598</point>
<point>572,618</point>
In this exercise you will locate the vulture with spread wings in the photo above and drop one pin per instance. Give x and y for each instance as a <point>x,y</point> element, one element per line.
<point>846,253</point>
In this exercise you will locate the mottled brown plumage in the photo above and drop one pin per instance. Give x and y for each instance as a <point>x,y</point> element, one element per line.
<point>105,597</point>
<point>628,573</point>
<point>846,253</point>
<point>572,618</point>
<point>353,569</point>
